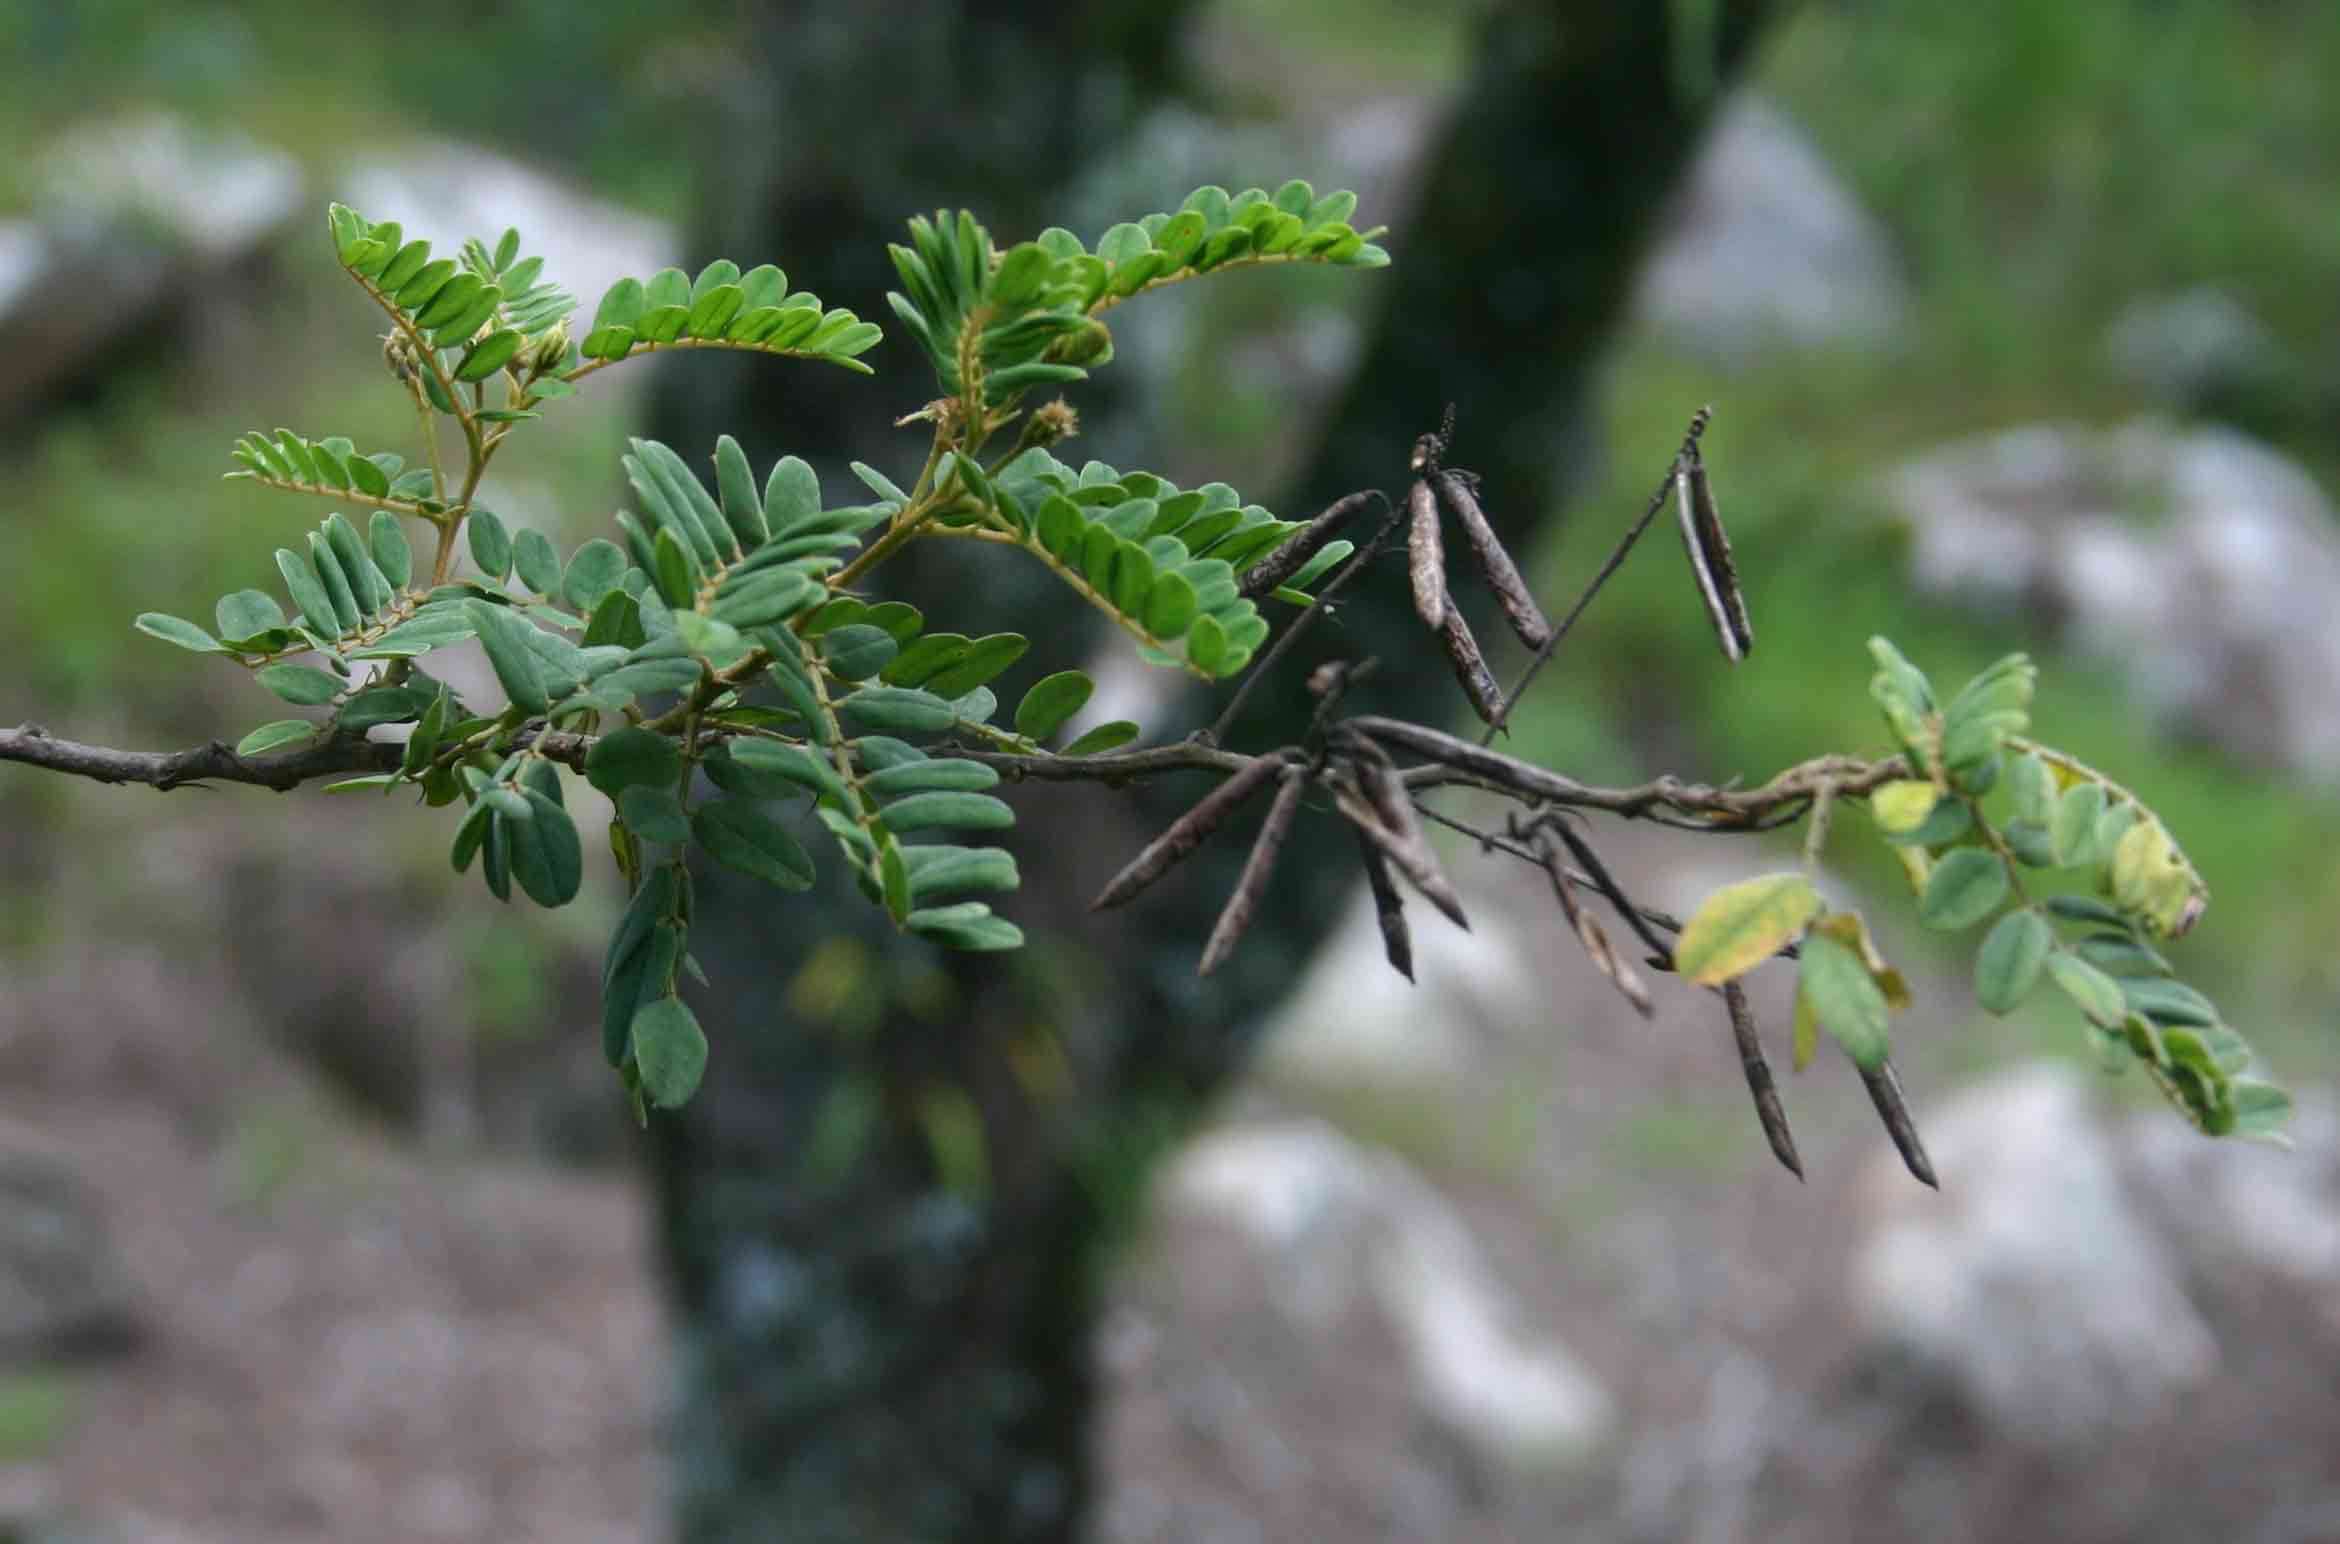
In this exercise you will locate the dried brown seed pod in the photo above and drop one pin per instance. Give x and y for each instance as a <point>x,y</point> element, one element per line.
<point>1470,666</point>
<point>1426,556</point>
<point>1589,931</point>
<point>1189,831</point>
<point>1511,592</point>
<point>1258,869</point>
<point>1382,812</point>
<point>1293,555</point>
<point>1389,908</point>
<point>1710,559</point>
<point>1769,1112</point>
<point>1884,1085</point>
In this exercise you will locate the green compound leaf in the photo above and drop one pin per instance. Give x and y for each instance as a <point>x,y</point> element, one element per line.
<point>1741,925</point>
<point>1845,998</point>
<point>670,1051</point>
<point>1965,887</point>
<point>2013,954</point>
<point>738,834</point>
<point>491,544</point>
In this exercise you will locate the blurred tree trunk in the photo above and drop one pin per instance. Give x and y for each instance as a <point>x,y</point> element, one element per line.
<point>884,1216</point>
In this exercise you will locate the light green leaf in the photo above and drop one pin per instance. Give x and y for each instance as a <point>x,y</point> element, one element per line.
<point>275,736</point>
<point>1051,701</point>
<point>1965,887</point>
<point>2012,955</point>
<point>305,685</point>
<point>1845,998</point>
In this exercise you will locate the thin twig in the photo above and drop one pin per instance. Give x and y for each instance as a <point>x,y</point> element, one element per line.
<point>1616,560</point>
<point>1300,624</point>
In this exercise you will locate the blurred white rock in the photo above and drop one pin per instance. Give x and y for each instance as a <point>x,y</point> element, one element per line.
<point>2032,1288</point>
<point>1335,1222</point>
<point>2200,561</point>
<point>1765,245</point>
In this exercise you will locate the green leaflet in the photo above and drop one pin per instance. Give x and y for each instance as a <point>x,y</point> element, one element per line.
<point>738,834</point>
<point>670,1051</point>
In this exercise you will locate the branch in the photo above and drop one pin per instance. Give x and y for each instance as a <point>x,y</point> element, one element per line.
<point>213,763</point>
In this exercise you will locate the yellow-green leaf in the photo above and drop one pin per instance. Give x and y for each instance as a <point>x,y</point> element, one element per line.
<point>1740,926</point>
<point>1903,806</point>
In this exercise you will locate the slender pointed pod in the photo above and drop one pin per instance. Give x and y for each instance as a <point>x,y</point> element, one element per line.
<point>1383,812</point>
<point>1769,1112</point>
<point>1884,1085</point>
<point>1389,908</point>
<point>1589,931</point>
<point>1189,831</point>
<point>1426,556</point>
<point>1470,666</point>
<point>1258,869</point>
<point>1710,558</point>
<point>1293,555</point>
<point>1511,592</point>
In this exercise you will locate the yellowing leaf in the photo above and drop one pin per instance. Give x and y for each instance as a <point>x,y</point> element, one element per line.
<point>1903,806</point>
<point>1740,926</point>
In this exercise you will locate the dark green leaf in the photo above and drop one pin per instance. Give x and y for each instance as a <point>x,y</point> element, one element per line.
<point>386,541</point>
<point>633,756</point>
<point>858,651</point>
<point>737,833</point>
<point>670,1051</point>
<point>927,811</point>
<point>515,663</point>
<point>491,544</point>
<point>383,705</point>
<point>535,561</point>
<point>968,925</point>
<point>987,658</point>
<point>2012,956</point>
<point>274,736</point>
<point>1051,701</point>
<point>942,870</point>
<point>171,629</point>
<point>806,768</point>
<point>900,708</point>
<point>942,774</point>
<point>1105,737</point>
<point>595,570</point>
<point>654,814</point>
<point>792,495</point>
<point>489,355</point>
<point>547,858</point>
<point>302,684</point>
